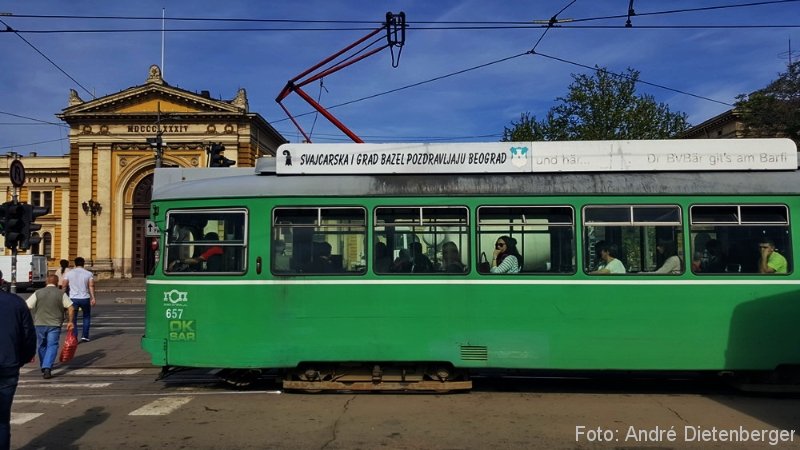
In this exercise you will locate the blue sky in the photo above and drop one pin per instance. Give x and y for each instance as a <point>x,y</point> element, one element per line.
<point>711,61</point>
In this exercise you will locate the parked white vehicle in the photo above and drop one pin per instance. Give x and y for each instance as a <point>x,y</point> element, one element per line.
<point>31,271</point>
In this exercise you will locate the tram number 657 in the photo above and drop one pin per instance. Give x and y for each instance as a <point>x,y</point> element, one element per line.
<point>174,313</point>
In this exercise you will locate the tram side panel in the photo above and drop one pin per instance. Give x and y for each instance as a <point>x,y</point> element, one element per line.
<point>579,322</point>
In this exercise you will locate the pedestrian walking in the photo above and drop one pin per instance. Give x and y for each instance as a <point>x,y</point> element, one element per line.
<point>61,273</point>
<point>17,347</point>
<point>48,305</point>
<point>80,283</point>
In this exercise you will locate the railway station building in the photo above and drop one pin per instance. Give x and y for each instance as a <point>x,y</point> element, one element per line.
<point>99,193</point>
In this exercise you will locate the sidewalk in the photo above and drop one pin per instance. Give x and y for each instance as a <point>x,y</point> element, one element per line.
<point>121,284</point>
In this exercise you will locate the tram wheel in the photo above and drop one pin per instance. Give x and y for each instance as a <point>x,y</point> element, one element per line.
<point>309,375</point>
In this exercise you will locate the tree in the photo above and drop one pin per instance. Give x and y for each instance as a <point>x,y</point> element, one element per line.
<point>775,110</point>
<point>599,107</point>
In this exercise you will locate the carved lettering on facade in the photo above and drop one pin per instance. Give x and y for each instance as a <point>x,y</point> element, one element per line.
<point>41,180</point>
<point>155,128</point>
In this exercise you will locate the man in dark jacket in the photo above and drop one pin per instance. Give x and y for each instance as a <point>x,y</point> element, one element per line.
<point>17,347</point>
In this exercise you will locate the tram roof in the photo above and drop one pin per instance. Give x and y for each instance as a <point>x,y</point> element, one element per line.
<point>781,178</point>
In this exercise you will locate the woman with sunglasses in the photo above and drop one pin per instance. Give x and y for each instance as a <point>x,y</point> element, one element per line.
<point>506,256</point>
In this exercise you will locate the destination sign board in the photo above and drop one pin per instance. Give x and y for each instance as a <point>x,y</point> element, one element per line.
<point>525,157</point>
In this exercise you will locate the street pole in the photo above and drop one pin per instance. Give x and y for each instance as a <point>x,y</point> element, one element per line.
<point>13,288</point>
<point>158,136</point>
<point>158,147</point>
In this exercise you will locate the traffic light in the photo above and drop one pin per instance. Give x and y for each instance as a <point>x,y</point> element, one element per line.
<point>29,225</point>
<point>3,218</point>
<point>158,147</point>
<point>13,224</point>
<point>215,158</point>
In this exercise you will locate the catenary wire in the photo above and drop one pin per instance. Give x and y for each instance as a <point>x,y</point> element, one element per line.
<point>547,56</point>
<point>661,86</point>
<point>8,28</point>
<point>561,25</point>
<point>373,22</point>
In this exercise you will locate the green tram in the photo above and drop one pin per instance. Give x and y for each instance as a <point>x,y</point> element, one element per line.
<point>306,269</point>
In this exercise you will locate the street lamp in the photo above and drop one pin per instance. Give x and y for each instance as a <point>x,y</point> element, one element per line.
<point>91,207</point>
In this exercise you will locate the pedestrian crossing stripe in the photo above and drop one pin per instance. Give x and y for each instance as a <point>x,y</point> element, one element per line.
<point>51,401</point>
<point>101,372</point>
<point>161,406</point>
<point>47,384</point>
<point>87,371</point>
<point>20,418</point>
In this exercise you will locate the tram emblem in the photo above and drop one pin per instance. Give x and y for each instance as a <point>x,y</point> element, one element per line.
<point>175,296</point>
<point>288,156</point>
<point>519,156</point>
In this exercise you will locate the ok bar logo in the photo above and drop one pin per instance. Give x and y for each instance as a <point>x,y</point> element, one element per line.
<point>182,330</point>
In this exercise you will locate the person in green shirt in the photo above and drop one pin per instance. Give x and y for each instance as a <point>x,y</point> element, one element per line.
<point>771,261</point>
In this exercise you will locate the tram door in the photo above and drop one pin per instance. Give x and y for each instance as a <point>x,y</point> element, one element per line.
<point>142,254</point>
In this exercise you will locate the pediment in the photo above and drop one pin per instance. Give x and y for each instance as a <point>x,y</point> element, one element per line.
<point>149,99</point>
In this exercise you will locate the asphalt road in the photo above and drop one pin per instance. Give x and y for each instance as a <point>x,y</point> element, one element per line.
<point>108,398</point>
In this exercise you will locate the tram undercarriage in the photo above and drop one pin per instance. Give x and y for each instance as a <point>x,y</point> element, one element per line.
<point>350,377</point>
<point>377,377</point>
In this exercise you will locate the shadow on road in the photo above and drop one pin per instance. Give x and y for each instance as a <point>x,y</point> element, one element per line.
<point>66,434</point>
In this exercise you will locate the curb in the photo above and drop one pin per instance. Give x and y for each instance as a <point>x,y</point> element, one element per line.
<point>130,300</point>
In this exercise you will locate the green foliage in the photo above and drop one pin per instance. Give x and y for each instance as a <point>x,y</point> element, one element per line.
<point>775,110</point>
<point>599,107</point>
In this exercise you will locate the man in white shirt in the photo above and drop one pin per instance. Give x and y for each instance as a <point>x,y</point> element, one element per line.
<point>81,291</point>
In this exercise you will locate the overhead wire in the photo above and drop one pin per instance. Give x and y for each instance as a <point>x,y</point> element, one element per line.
<point>563,25</point>
<point>4,147</point>
<point>9,29</point>
<point>622,75</point>
<point>43,122</point>
<point>508,58</point>
<point>375,23</point>
<point>553,22</point>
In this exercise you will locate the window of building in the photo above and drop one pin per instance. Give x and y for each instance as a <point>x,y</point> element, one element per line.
<point>643,238</point>
<point>310,240</point>
<point>47,241</point>
<point>544,235</point>
<point>206,241</point>
<point>726,238</point>
<point>43,198</point>
<point>429,240</point>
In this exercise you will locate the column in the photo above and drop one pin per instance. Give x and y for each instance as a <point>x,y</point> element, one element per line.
<point>84,192</point>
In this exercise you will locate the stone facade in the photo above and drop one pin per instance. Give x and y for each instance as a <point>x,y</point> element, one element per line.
<point>100,192</point>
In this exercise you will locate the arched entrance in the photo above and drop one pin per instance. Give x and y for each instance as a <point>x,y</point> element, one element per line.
<point>142,252</point>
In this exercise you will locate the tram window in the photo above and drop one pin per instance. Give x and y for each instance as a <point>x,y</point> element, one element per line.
<point>427,240</point>
<point>646,239</point>
<point>729,243</point>
<point>544,235</point>
<point>318,240</point>
<point>206,241</point>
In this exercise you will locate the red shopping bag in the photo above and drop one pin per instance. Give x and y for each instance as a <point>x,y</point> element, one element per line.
<point>70,346</point>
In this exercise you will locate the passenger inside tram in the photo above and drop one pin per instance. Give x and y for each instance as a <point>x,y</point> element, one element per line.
<point>420,263</point>
<point>383,260</point>
<point>506,257</point>
<point>609,263</point>
<point>451,258</point>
